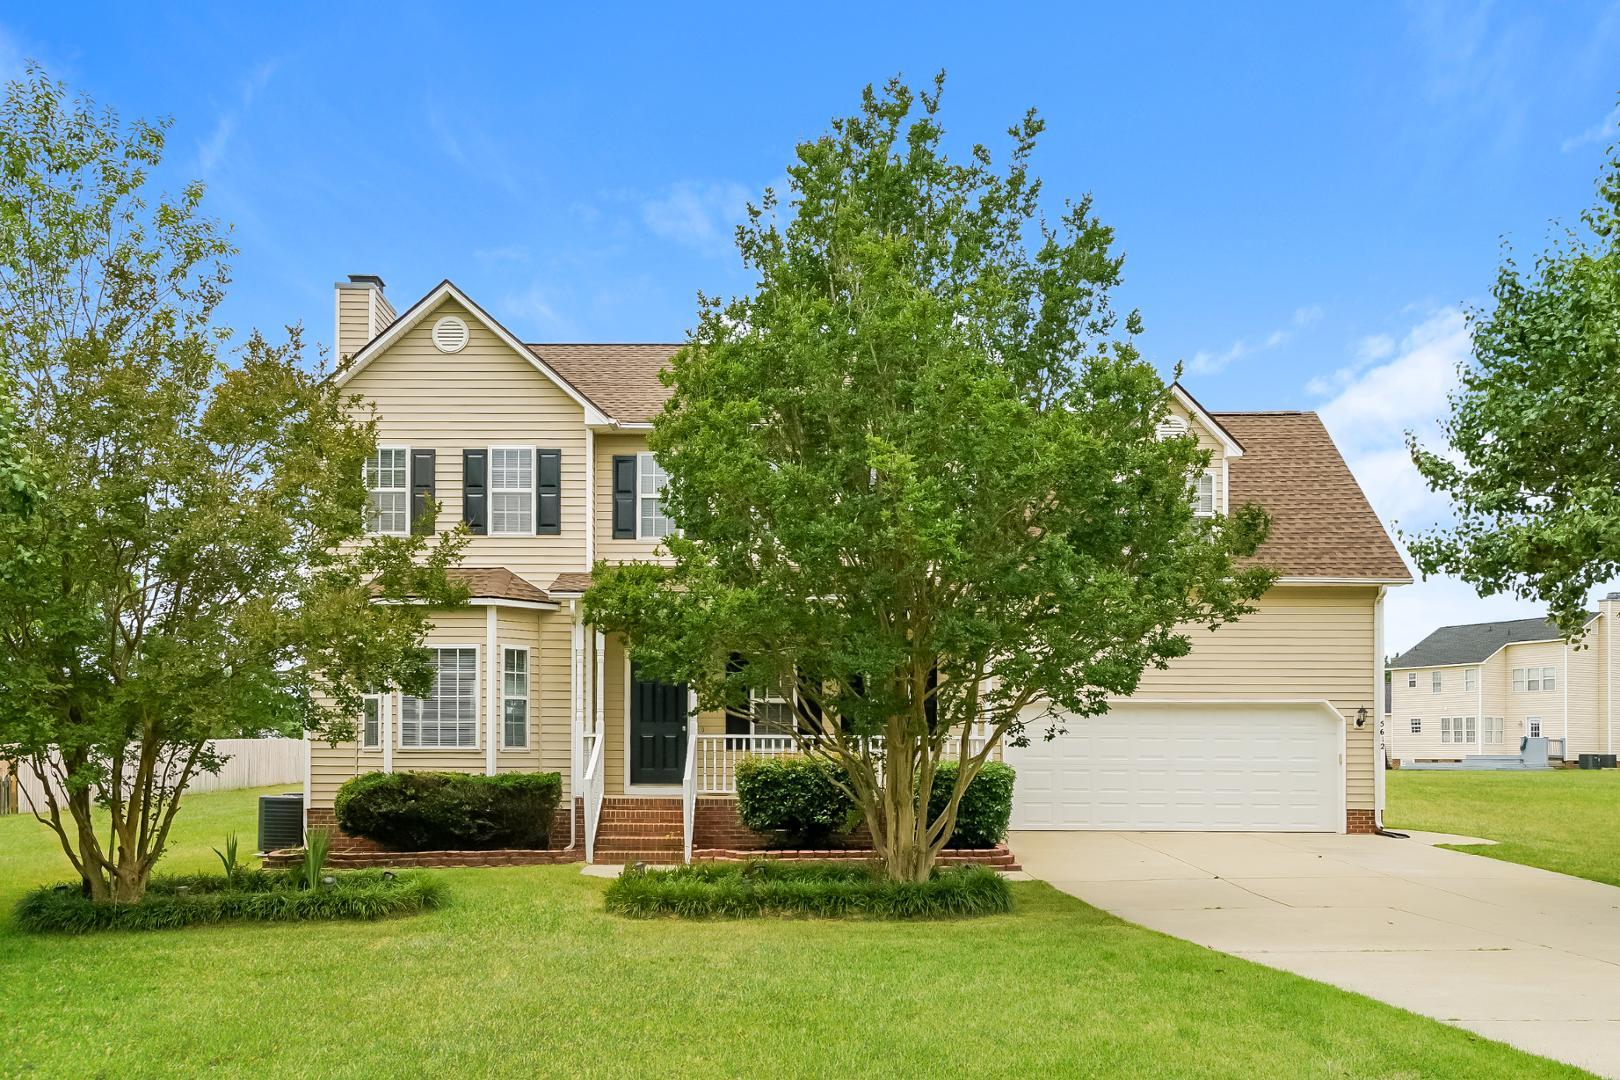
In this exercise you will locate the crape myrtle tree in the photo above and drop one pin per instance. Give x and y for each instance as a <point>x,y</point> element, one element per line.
<point>1532,456</point>
<point>916,475</point>
<point>184,554</point>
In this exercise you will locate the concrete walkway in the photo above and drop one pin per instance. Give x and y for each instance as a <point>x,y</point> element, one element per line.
<point>1526,956</point>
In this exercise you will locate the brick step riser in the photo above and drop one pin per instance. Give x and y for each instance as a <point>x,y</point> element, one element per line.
<point>622,816</point>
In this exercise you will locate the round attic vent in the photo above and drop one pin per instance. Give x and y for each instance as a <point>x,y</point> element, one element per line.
<point>450,334</point>
<point>1170,427</point>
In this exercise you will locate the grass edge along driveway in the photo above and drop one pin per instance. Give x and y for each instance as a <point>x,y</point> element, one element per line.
<point>524,974</point>
<point>1565,820</point>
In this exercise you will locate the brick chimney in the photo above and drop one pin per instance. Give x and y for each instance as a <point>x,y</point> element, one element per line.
<point>362,313</point>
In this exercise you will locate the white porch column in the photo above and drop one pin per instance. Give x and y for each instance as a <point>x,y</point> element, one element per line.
<point>492,689</point>
<point>598,664</point>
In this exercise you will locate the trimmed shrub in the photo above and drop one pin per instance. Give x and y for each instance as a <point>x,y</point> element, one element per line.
<point>828,890</point>
<point>440,811</point>
<point>793,799</point>
<point>253,896</point>
<point>986,806</point>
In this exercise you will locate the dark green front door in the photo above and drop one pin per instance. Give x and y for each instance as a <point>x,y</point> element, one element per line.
<point>657,730</point>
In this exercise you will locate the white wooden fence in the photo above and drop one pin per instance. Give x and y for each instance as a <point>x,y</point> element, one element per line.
<point>252,763</point>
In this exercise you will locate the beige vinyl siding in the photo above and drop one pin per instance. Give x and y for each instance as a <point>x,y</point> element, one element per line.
<point>1547,704</point>
<point>607,548</point>
<point>353,320</point>
<point>616,716</point>
<point>1208,441</point>
<point>486,395</point>
<point>1302,642</point>
<point>1454,700</point>
<point>546,636</point>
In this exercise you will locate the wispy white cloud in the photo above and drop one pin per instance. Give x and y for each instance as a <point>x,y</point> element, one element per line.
<point>1364,353</point>
<point>1600,132</point>
<point>473,149</point>
<point>536,314</point>
<point>211,150</point>
<point>13,58</point>
<point>510,253</point>
<point>1205,362</point>
<point>697,215</point>
<point>1403,387</point>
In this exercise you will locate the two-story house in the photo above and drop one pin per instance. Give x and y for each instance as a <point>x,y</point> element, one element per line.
<point>541,450</point>
<point>1477,689</point>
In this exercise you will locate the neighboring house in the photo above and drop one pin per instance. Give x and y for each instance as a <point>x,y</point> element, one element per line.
<point>1270,723</point>
<point>1478,689</point>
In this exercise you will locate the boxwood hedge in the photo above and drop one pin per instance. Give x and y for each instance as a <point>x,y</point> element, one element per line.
<point>442,811</point>
<point>834,890</point>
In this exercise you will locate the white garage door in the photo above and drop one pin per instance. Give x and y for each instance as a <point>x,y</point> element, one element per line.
<point>1258,767</point>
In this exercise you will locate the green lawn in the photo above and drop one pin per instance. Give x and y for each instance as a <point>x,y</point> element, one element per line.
<point>1566,820</point>
<point>523,974</point>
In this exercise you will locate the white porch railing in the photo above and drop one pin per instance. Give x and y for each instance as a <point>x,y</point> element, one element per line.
<point>689,787</point>
<point>592,787</point>
<point>717,756</point>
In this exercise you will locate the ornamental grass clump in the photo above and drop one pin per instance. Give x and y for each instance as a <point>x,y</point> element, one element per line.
<point>806,889</point>
<point>251,896</point>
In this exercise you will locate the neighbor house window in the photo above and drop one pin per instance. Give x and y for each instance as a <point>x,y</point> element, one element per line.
<point>1548,681</point>
<point>1411,680</point>
<point>511,491</point>
<point>1470,679</point>
<point>1445,729</point>
<point>371,722</point>
<point>387,492</point>
<point>1204,495</point>
<point>1532,726</point>
<point>650,480</point>
<point>1493,730</point>
<point>1434,683</point>
<point>448,716</point>
<point>1518,680</point>
<point>515,698</point>
<point>1532,679</point>
<point>1470,731</point>
<point>1417,726</point>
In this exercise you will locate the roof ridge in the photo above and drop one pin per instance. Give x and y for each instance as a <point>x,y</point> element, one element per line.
<point>605,344</point>
<point>1265,412</point>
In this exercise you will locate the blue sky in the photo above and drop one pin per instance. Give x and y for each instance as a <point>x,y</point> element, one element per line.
<point>1305,194</point>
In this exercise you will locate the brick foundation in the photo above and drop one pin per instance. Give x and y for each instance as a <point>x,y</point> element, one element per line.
<point>1360,821</point>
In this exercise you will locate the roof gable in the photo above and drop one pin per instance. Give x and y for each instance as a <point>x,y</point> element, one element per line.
<point>430,303</point>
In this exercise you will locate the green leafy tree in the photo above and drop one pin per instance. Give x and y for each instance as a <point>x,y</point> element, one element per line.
<point>184,552</point>
<point>1532,456</point>
<point>917,477</point>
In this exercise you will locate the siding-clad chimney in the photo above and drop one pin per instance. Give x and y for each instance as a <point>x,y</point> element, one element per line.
<point>362,313</point>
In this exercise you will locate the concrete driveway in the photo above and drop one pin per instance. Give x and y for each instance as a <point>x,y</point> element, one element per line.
<point>1517,954</point>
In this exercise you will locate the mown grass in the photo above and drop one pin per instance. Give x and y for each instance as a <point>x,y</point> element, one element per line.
<point>1566,820</point>
<point>525,974</point>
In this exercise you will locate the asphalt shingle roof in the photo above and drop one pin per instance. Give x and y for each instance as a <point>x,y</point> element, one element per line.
<point>1471,643</point>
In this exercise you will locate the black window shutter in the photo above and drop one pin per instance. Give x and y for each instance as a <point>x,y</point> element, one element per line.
<point>421,488</point>
<point>548,492</point>
<point>475,490</point>
<point>738,721</point>
<point>624,496</point>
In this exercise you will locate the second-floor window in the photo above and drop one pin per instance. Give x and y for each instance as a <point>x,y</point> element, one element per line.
<point>1469,677</point>
<point>387,491</point>
<point>650,480</point>
<point>1534,679</point>
<point>1204,495</point>
<point>511,491</point>
<point>1411,679</point>
<point>1435,683</point>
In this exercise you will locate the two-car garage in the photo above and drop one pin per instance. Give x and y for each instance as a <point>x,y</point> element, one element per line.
<point>1260,766</point>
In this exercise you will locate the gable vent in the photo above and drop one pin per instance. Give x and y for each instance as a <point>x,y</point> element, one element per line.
<point>450,334</point>
<point>1170,427</point>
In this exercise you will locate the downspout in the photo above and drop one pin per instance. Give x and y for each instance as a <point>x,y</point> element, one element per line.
<point>1479,709</point>
<point>576,715</point>
<point>1566,700</point>
<point>1608,674</point>
<point>1380,760</point>
<point>492,688</point>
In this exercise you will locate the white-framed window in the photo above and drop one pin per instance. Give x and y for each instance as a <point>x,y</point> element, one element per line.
<point>371,722</point>
<point>1470,730</point>
<point>1435,682</point>
<point>1445,729</point>
<point>511,491</point>
<point>1532,679</point>
<point>1518,680</point>
<point>1492,730</point>
<point>771,712</point>
<point>1470,679</point>
<point>514,698</point>
<point>448,716</point>
<point>1532,726</point>
<point>1204,495</point>
<point>1549,679</point>
<point>651,523</point>
<point>1417,725</point>
<point>1411,680</point>
<point>388,494</point>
